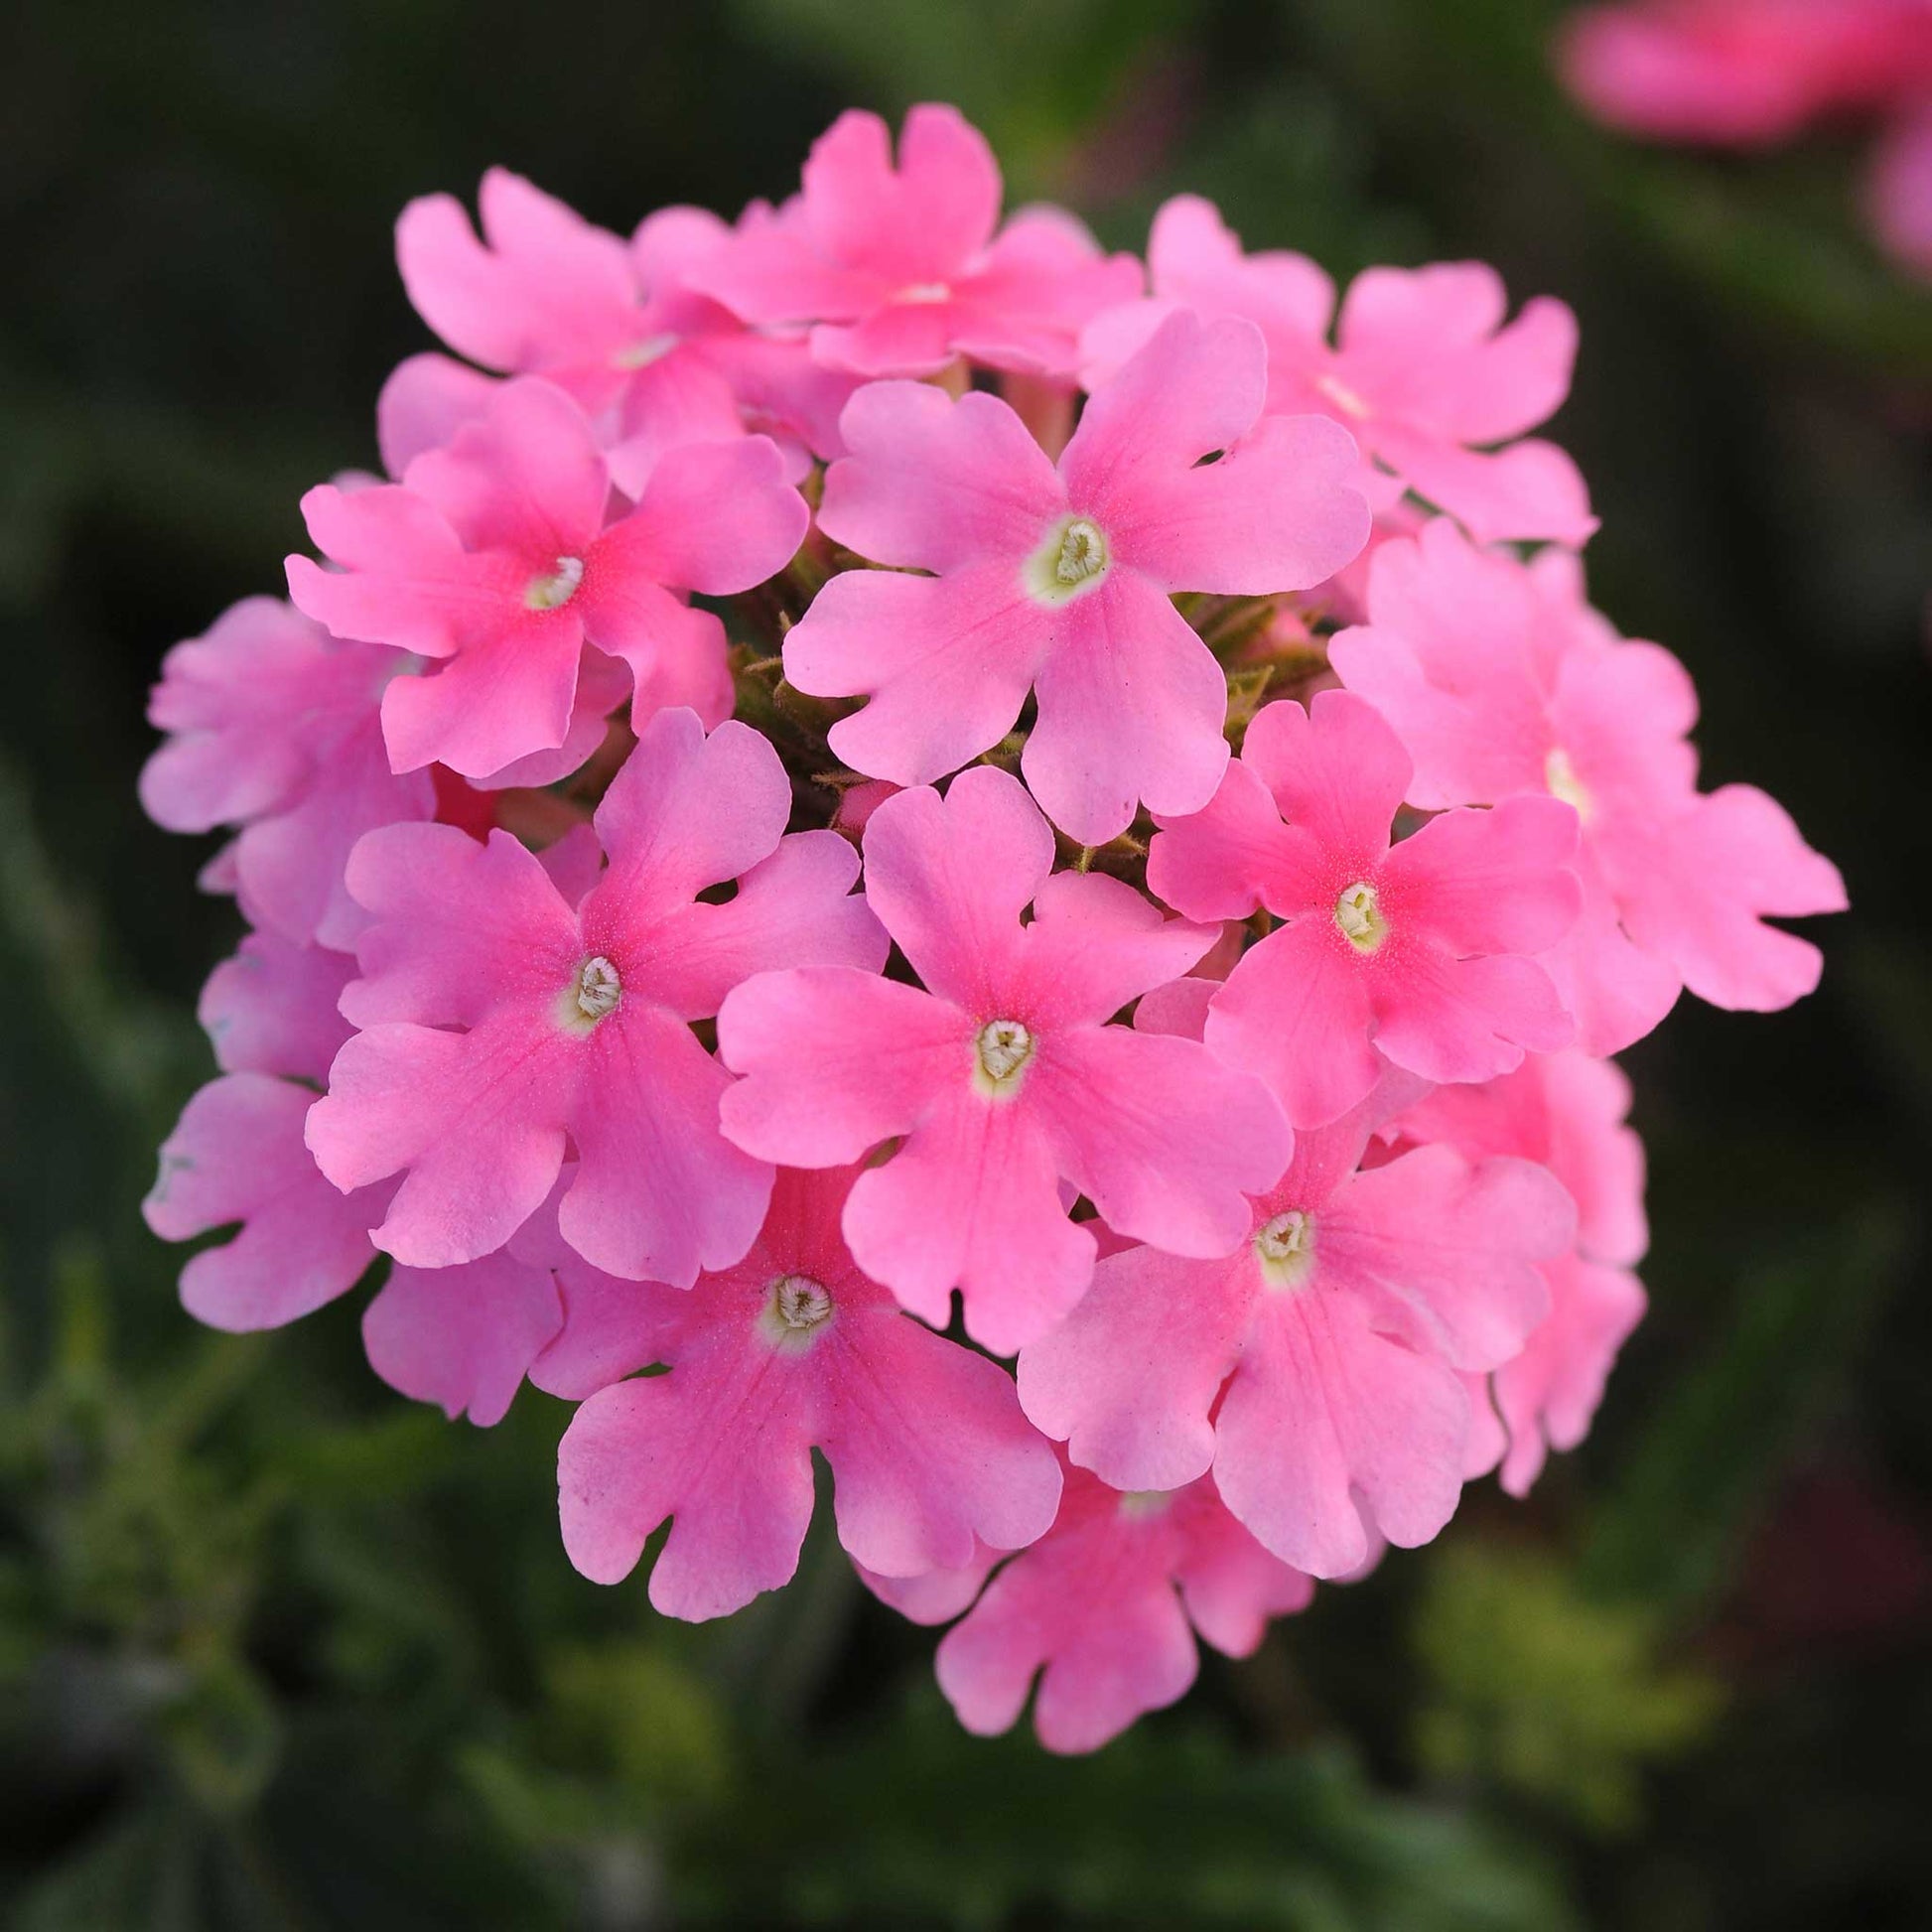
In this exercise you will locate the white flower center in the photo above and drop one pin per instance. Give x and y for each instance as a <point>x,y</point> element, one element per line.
<point>1343,397</point>
<point>800,1304</point>
<point>553,592</point>
<point>1285,1248</point>
<point>1561,776</point>
<point>1073,559</point>
<point>641,355</point>
<point>925,292</point>
<point>1004,1047</point>
<point>597,987</point>
<point>1359,914</point>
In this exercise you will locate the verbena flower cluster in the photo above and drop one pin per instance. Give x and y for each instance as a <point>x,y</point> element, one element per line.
<point>1162,852</point>
<point>1754,73</point>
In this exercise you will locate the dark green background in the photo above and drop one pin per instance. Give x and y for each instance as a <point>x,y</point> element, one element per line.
<point>279,1650</point>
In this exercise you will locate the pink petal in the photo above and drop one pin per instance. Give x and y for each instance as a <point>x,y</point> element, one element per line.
<point>970,1201</point>
<point>1445,1253</point>
<point>936,484</point>
<point>1230,1584</point>
<point>835,1061</point>
<point>678,655</point>
<point>1488,882</point>
<point>945,663</point>
<point>237,1155</point>
<point>1336,770</point>
<point>1295,1011</point>
<point>1131,709</point>
<point>476,1119</point>
<point>794,908</point>
<point>938,1597</point>
<point>645,1450</point>
<point>659,1192</point>
<point>1218,863</point>
<point>425,401</point>
<point>1165,1139</point>
<point>1094,944</point>
<point>715,518</point>
<point>950,877</point>
<point>1449,1018</point>
<point>686,811</point>
<point>462,1337</point>
<point>272,1008</point>
<point>460,928</point>
<point>1529,493</point>
<point>1331,1430</point>
<point>930,1456</point>
<point>1129,1380</point>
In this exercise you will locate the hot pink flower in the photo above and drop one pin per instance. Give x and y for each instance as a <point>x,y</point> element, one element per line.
<point>901,268</point>
<point>1425,372</point>
<point>1314,1369</point>
<point>619,325</point>
<point>273,728</point>
<point>793,1349</point>
<point>1410,956</point>
<point>1058,579</point>
<point>1744,72</point>
<point>1503,686</point>
<point>1003,1078</point>
<point>574,1021</point>
<point>493,556</point>
<point>1565,1111</point>
<point>1105,1608</point>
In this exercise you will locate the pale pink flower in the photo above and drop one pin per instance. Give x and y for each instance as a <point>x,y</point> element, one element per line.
<point>493,558</point>
<point>1411,955</point>
<point>273,728</point>
<point>794,1349</point>
<point>1503,686</point>
<point>1004,1077</point>
<point>1425,371</point>
<point>1314,1370</point>
<point>618,324</point>
<point>901,268</point>
<point>498,1019</point>
<point>1566,1112</point>
<point>1104,1609</point>
<point>1057,580</point>
<point>1744,72</point>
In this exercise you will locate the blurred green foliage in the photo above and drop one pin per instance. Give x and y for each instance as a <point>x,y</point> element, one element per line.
<point>278,1650</point>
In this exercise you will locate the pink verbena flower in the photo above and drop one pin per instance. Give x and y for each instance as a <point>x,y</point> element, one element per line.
<point>1503,685</point>
<point>1898,195</point>
<point>1004,1077</point>
<point>1566,1112</point>
<point>1057,580</point>
<point>900,269</point>
<point>493,557</point>
<point>273,1008</point>
<point>273,728</point>
<point>791,1349</point>
<point>1425,372</point>
<point>574,1022</point>
<point>1104,1609</point>
<point>618,324</point>
<point>1744,72</point>
<point>1412,956</point>
<point>1313,1369</point>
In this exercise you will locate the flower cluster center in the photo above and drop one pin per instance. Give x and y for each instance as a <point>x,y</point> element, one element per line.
<point>1004,1047</point>
<point>1359,914</point>
<point>1284,1246</point>
<point>553,592</point>
<point>597,987</point>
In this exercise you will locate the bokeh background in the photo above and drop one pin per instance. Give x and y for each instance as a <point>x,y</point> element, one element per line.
<point>280,1650</point>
